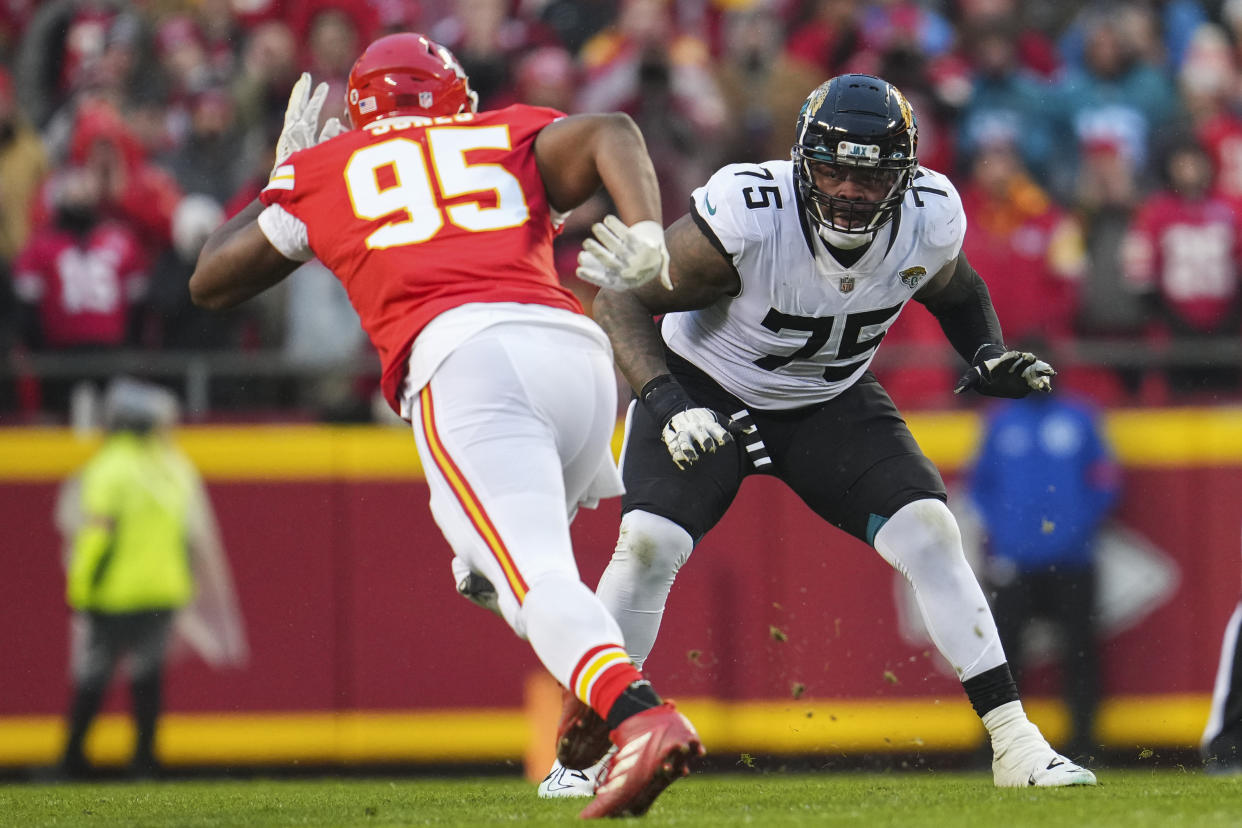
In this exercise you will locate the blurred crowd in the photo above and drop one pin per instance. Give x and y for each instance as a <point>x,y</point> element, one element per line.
<point>1097,147</point>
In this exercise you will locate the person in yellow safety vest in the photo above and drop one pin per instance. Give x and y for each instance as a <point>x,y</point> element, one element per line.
<point>140,537</point>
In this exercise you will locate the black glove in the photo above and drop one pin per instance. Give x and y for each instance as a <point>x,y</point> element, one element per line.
<point>686,429</point>
<point>998,372</point>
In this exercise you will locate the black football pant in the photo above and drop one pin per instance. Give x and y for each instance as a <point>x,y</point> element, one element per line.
<point>143,636</point>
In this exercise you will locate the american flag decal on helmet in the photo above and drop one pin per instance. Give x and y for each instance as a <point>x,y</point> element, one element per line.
<point>366,105</point>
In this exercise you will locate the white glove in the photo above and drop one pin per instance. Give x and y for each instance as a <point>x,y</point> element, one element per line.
<point>331,128</point>
<point>691,432</point>
<point>301,119</point>
<point>1039,375</point>
<point>624,257</point>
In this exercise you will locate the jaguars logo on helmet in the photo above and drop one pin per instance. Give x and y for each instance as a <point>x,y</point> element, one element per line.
<point>858,121</point>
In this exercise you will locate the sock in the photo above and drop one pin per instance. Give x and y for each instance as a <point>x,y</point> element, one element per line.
<point>1008,723</point>
<point>636,698</point>
<point>601,676</point>
<point>991,689</point>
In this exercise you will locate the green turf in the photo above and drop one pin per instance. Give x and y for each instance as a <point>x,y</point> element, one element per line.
<point>926,799</point>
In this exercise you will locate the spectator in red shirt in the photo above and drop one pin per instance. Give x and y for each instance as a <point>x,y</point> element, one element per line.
<point>1208,82</point>
<point>1018,231</point>
<point>1181,253</point>
<point>78,281</point>
<point>80,275</point>
<point>134,190</point>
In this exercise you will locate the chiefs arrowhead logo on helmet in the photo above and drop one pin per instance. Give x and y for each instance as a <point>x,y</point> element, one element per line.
<point>407,74</point>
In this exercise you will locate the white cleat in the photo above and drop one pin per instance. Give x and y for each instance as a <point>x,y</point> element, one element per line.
<point>562,781</point>
<point>1032,762</point>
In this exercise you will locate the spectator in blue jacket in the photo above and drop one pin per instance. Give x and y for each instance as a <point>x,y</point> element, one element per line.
<point>1007,102</point>
<point>1116,97</point>
<point>1044,482</point>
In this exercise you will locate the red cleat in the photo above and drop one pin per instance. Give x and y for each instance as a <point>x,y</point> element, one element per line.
<point>582,736</point>
<point>654,749</point>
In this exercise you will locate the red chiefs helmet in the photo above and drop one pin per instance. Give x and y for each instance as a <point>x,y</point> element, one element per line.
<point>407,74</point>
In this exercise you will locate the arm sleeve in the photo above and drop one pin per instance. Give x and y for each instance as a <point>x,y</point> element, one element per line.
<point>965,313</point>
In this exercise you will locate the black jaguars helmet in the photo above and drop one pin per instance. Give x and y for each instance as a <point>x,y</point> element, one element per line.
<point>855,121</point>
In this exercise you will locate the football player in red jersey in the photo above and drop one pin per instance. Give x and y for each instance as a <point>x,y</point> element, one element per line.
<point>439,221</point>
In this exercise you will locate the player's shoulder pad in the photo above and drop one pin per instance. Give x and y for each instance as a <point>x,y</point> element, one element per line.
<point>279,185</point>
<point>938,207</point>
<point>740,202</point>
<point>300,169</point>
<point>521,116</point>
<point>282,183</point>
<point>543,112</point>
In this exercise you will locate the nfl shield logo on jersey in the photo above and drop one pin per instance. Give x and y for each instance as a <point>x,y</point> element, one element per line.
<point>911,276</point>
<point>846,283</point>
<point>424,100</point>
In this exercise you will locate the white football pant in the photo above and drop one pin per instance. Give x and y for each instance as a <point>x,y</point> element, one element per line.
<point>514,431</point>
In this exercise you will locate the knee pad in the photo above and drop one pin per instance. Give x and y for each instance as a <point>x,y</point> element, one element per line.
<point>919,532</point>
<point>652,547</point>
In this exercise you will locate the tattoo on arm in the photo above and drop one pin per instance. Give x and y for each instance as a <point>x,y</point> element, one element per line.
<point>636,344</point>
<point>701,276</point>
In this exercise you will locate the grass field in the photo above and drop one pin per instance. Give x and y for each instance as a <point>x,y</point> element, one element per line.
<point>1131,798</point>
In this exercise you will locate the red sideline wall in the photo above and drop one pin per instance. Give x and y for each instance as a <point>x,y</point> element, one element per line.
<point>345,587</point>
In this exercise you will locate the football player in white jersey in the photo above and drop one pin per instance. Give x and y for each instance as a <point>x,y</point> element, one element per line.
<point>786,276</point>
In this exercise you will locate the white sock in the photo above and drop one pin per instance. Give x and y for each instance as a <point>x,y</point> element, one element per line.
<point>563,620</point>
<point>1008,723</point>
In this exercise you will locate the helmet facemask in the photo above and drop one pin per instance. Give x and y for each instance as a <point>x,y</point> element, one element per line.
<point>860,128</point>
<point>848,215</point>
